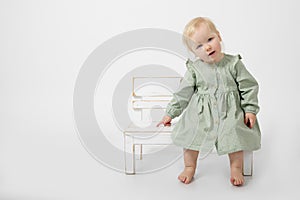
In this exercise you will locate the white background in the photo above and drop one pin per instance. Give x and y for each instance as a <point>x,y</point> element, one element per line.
<point>43,45</point>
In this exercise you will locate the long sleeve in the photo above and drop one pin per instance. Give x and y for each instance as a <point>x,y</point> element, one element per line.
<point>248,88</point>
<point>183,95</point>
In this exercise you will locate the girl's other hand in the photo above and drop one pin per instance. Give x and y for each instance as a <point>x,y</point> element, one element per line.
<point>250,119</point>
<point>166,121</point>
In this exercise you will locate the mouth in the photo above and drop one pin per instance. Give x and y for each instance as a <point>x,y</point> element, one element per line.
<point>211,53</point>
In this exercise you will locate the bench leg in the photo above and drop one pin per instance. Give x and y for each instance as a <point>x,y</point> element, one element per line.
<point>129,155</point>
<point>141,151</point>
<point>248,163</point>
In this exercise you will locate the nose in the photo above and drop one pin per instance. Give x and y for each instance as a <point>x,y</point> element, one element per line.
<point>207,47</point>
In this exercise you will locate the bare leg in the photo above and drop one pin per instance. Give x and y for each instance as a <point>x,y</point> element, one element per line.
<point>190,163</point>
<point>236,168</point>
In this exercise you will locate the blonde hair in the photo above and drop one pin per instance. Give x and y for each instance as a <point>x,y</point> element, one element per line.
<point>191,27</point>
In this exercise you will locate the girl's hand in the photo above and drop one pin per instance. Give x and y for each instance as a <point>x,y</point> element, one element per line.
<point>166,121</point>
<point>250,119</point>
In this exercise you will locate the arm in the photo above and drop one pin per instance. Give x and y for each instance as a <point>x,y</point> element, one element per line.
<point>181,97</point>
<point>248,88</point>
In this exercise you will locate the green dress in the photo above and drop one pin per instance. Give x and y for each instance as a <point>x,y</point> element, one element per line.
<point>213,99</point>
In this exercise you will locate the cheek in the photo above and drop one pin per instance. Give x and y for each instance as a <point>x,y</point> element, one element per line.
<point>217,45</point>
<point>199,53</point>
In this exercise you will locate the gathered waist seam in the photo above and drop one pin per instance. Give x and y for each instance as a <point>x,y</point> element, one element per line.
<point>209,92</point>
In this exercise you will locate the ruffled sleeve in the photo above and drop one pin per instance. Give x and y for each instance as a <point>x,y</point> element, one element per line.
<point>248,87</point>
<point>183,95</point>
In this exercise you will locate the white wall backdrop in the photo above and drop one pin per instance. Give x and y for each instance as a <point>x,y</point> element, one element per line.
<point>43,45</point>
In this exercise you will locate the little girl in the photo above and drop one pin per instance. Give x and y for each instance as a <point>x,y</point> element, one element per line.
<point>219,97</point>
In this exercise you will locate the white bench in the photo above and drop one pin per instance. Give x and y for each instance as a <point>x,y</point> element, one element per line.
<point>151,94</point>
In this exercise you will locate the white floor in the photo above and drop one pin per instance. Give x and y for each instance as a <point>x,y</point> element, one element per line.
<point>41,158</point>
<point>36,164</point>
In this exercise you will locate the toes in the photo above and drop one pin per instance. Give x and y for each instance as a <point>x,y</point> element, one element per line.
<point>188,180</point>
<point>232,180</point>
<point>236,181</point>
<point>182,178</point>
<point>187,175</point>
<point>241,182</point>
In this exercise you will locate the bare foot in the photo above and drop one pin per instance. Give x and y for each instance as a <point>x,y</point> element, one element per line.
<point>237,178</point>
<point>187,175</point>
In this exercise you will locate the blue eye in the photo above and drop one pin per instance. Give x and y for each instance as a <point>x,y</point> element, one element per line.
<point>199,46</point>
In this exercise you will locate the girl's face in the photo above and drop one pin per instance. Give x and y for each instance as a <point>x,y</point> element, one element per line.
<point>207,44</point>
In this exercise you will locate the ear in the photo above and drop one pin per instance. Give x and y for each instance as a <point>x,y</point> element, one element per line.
<point>219,36</point>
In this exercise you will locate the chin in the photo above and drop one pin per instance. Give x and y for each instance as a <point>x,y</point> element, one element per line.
<point>210,60</point>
